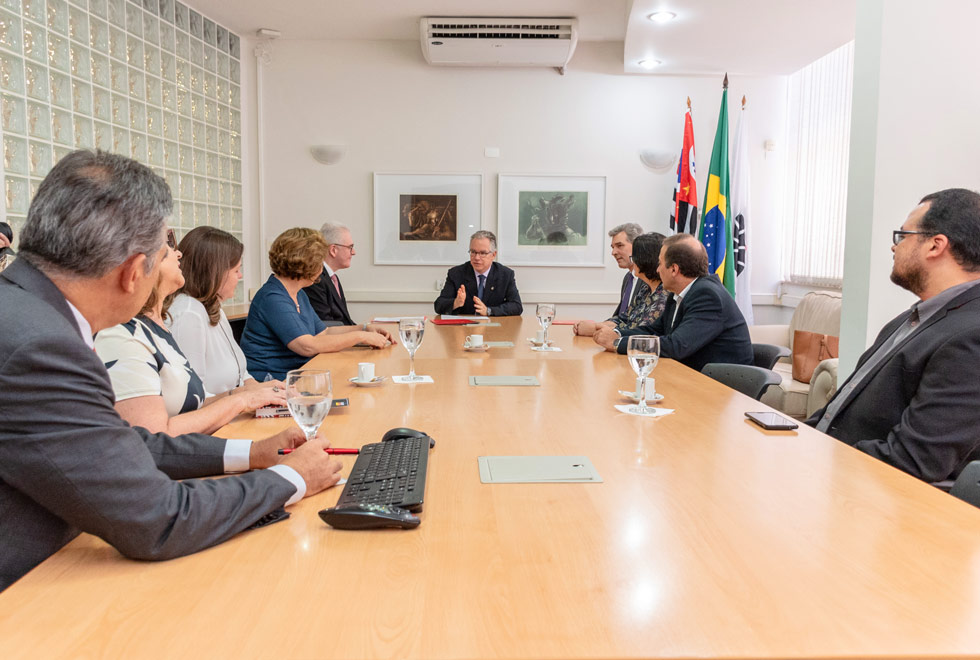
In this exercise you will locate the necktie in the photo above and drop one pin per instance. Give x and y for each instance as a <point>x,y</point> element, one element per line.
<point>624,304</point>
<point>336,283</point>
<point>481,280</point>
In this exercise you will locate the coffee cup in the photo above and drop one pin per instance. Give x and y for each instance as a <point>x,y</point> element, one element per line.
<point>474,341</point>
<point>365,372</point>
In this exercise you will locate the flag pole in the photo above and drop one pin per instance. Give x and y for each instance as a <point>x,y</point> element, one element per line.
<point>724,84</point>
<point>743,101</point>
<point>688,103</point>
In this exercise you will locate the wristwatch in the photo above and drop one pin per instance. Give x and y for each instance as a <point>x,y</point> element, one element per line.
<point>616,342</point>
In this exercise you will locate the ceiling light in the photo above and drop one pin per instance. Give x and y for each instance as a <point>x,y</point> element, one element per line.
<point>649,64</point>
<point>662,16</point>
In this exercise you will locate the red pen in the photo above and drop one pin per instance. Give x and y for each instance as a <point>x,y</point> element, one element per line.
<point>329,450</point>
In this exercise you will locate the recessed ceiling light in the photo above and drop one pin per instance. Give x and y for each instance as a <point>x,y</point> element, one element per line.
<point>649,64</point>
<point>662,16</point>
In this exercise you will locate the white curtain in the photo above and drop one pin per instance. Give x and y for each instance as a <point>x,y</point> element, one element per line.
<point>818,131</point>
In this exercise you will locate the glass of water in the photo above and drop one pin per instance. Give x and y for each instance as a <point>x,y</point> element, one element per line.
<point>309,395</point>
<point>546,314</point>
<point>644,353</point>
<point>411,331</point>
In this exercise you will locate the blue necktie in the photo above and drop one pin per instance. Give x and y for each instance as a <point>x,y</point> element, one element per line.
<point>481,280</point>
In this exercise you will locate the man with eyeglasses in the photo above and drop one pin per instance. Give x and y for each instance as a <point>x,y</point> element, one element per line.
<point>326,294</point>
<point>913,400</point>
<point>481,286</point>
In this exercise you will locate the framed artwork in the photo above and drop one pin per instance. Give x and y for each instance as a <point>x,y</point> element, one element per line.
<point>425,219</point>
<point>545,220</point>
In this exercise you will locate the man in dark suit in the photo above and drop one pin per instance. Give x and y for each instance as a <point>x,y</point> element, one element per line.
<point>89,256</point>
<point>481,286</point>
<point>701,322</point>
<point>326,294</point>
<point>621,244</point>
<point>913,400</point>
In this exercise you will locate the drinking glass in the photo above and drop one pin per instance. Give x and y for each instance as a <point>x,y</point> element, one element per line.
<point>309,395</point>
<point>644,353</point>
<point>411,331</point>
<point>546,314</point>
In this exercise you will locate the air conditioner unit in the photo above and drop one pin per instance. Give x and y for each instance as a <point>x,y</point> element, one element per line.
<point>480,41</point>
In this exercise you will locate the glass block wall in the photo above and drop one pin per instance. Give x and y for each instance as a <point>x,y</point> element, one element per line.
<point>152,79</point>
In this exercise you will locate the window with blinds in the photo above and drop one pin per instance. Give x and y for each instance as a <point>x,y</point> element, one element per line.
<point>818,139</point>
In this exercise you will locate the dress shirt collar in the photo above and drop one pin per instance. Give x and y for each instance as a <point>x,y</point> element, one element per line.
<point>678,297</point>
<point>929,307</point>
<point>485,273</point>
<point>330,271</point>
<point>83,325</point>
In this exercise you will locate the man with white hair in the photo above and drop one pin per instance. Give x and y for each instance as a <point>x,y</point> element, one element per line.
<point>326,294</point>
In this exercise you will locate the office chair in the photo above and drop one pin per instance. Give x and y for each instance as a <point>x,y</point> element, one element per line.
<point>766,355</point>
<point>967,485</point>
<point>749,380</point>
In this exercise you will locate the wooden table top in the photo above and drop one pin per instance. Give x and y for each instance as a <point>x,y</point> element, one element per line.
<point>708,538</point>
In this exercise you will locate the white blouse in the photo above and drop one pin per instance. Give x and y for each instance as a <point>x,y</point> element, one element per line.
<point>211,349</point>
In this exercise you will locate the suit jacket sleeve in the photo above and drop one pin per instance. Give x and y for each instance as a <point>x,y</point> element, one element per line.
<point>444,303</point>
<point>512,305</point>
<point>63,446</point>
<point>940,428</point>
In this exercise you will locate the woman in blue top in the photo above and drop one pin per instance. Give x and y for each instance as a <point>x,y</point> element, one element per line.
<point>282,331</point>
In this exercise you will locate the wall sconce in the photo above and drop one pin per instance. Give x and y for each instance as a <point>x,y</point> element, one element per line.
<point>658,161</point>
<point>328,154</point>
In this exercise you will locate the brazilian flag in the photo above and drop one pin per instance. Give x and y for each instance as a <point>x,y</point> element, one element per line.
<point>716,229</point>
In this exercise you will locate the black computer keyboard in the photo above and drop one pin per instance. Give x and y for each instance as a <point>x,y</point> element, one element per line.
<point>389,472</point>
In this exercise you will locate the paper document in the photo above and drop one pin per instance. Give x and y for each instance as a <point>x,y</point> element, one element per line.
<point>454,317</point>
<point>504,381</point>
<point>537,469</point>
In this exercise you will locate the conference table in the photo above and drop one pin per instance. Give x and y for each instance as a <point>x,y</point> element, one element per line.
<point>707,537</point>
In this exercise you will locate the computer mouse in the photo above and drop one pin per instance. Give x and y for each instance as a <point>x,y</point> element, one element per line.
<point>403,432</point>
<point>369,516</point>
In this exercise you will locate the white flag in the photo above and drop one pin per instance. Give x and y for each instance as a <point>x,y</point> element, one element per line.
<point>740,219</point>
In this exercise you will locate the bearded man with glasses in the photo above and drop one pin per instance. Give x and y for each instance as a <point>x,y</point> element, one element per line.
<point>480,286</point>
<point>913,400</point>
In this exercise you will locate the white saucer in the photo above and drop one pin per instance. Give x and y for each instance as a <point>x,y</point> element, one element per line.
<point>378,380</point>
<point>475,349</point>
<point>635,399</point>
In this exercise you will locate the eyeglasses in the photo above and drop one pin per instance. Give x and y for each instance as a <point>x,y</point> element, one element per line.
<point>171,239</point>
<point>899,234</point>
<point>480,253</point>
<point>349,247</point>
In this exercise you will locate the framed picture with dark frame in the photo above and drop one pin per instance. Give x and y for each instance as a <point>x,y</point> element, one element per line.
<point>425,219</point>
<point>551,220</point>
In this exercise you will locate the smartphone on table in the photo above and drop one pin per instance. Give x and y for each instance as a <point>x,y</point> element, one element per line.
<point>772,421</point>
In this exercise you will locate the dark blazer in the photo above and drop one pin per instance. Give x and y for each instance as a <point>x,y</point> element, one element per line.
<point>69,463</point>
<point>499,293</point>
<point>919,410</point>
<point>328,305</point>
<point>709,327</point>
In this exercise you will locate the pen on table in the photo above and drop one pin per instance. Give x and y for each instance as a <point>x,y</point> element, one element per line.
<point>329,450</point>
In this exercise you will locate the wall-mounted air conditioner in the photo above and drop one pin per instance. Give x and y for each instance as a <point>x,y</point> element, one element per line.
<point>479,41</point>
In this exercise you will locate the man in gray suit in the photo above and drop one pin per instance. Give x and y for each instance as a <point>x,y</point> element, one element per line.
<point>913,400</point>
<point>89,256</point>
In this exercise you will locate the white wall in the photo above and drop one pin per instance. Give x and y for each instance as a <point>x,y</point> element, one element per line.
<point>914,131</point>
<point>395,113</point>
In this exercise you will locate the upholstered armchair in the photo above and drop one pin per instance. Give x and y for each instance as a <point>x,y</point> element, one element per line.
<point>818,312</point>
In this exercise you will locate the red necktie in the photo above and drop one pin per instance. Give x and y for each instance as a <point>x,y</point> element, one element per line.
<point>336,283</point>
